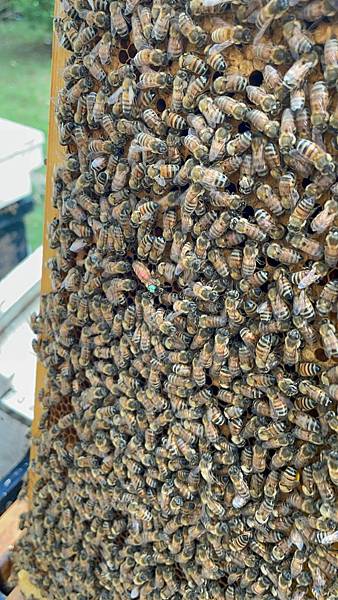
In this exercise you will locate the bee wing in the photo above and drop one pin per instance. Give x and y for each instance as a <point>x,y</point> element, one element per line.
<point>131,94</point>
<point>319,222</point>
<point>307,280</point>
<point>130,5</point>
<point>217,48</point>
<point>145,69</point>
<point>160,180</point>
<point>141,43</point>
<point>330,538</point>
<point>78,245</point>
<point>217,149</point>
<point>115,96</point>
<point>98,160</point>
<point>261,32</point>
<point>296,538</point>
<point>95,51</point>
<point>211,2</point>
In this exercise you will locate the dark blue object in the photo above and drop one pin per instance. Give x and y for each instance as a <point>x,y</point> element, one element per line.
<point>10,484</point>
<point>13,243</point>
<point>2,597</point>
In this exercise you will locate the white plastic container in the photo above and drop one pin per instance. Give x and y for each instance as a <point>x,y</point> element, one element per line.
<point>21,151</point>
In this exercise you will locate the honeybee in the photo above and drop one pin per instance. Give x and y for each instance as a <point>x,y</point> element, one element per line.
<point>213,115</point>
<point>317,9</point>
<point>242,225</point>
<point>193,63</point>
<point>302,120</point>
<point>304,421</point>
<point>278,403</point>
<point>195,34</point>
<point>209,178</point>
<point>175,43</point>
<point>150,56</point>
<point>81,86</point>
<point>215,60</point>
<point>218,144</point>
<point>282,457</point>
<point>333,124</point>
<point>231,83</point>
<point>325,489</point>
<point>258,157</point>
<point>271,77</point>
<point>263,349</point>
<point>246,181</point>
<point>198,150</point>
<point>295,76</point>
<point>151,143</point>
<point>267,102</point>
<point>195,88</point>
<point>302,306</point>
<point>331,247</point>
<point>308,369</point>
<point>227,35</point>
<point>239,144</point>
<point>95,68</point>
<point>297,105</point>
<point>140,41</point>
<point>310,246</point>
<point>329,338</point>
<point>331,61</point>
<point>298,42</point>
<point>319,100</point>
<point>204,292</point>
<point>241,487</point>
<point>198,123</point>
<point>264,510</point>
<point>270,199</point>
<point>262,122</point>
<point>329,511</point>
<point>250,253</point>
<point>153,79</point>
<point>284,287</point>
<point>232,307</point>
<point>161,25</point>
<point>327,298</point>
<point>274,9</point>
<point>231,107</point>
<point>118,24</point>
<point>258,458</point>
<point>287,138</point>
<point>326,217</point>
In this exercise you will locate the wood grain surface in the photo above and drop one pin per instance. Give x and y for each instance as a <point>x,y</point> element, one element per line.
<point>9,525</point>
<point>54,154</point>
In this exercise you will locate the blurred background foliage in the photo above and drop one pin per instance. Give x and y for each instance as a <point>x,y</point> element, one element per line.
<point>38,11</point>
<point>32,10</point>
<point>25,53</point>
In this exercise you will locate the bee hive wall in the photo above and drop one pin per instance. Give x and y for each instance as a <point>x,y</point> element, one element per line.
<point>184,439</point>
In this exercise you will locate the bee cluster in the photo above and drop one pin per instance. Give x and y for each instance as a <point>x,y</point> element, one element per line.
<point>188,441</point>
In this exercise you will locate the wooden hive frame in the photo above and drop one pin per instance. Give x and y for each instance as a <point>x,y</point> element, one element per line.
<point>54,152</point>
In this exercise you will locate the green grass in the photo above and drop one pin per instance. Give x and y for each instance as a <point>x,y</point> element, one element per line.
<point>25,87</point>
